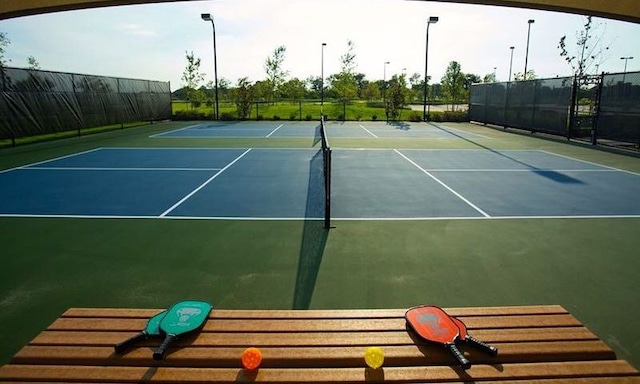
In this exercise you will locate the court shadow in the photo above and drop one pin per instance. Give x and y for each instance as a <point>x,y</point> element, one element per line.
<point>374,375</point>
<point>548,173</point>
<point>400,125</point>
<point>314,236</point>
<point>247,376</point>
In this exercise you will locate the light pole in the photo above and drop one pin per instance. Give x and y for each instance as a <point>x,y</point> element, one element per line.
<point>384,82</point>
<point>322,78</point>
<point>526,57</point>
<point>207,17</point>
<point>432,20</point>
<point>511,63</point>
<point>625,58</point>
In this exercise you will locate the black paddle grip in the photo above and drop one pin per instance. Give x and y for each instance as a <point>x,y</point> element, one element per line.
<point>464,363</point>
<point>123,346</point>
<point>493,351</point>
<point>159,353</point>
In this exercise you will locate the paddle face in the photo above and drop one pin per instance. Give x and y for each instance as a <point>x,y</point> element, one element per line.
<point>153,325</point>
<point>432,324</point>
<point>151,329</point>
<point>185,316</point>
<point>462,327</point>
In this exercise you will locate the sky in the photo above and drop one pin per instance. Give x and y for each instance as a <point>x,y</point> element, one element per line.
<point>150,41</point>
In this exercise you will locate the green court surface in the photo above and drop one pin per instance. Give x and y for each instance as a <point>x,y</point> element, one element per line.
<point>588,265</point>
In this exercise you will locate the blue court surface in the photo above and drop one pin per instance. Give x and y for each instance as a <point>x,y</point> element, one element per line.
<point>310,129</point>
<point>375,184</point>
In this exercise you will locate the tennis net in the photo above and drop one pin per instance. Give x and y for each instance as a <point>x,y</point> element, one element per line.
<point>326,168</point>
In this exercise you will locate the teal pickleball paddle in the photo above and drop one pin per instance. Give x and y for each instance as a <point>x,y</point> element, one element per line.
<point>183,317</point>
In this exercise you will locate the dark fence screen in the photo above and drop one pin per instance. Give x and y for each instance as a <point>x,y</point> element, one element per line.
<point>541,105</point>
<point>36,102</point>
<point>606,107</point>
<point>619,114</point>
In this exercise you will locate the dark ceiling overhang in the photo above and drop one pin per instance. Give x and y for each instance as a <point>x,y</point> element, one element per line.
<point>627,10</point>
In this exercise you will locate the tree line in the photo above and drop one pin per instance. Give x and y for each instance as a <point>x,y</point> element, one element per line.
<point>346,86</point>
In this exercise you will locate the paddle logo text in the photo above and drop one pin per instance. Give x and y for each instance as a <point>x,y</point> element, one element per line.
<point>185,314</point>
<point>433,322</point>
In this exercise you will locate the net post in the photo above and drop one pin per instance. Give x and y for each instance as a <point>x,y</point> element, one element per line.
<point>327,206</point>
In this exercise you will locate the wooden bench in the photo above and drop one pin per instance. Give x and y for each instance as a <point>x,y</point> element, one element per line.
<point>541,344</point>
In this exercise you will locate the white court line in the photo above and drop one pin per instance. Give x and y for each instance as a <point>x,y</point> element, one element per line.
<point>175,130</point>
<point>368,131</point>
<point>239,218</point>
<point>515,170</point>
<point>176,205</point>
<point>483,213</point>
<point>591,163</point>
<point>274,131</point>
<point>446,127</point>
<point>116,169</point>
<point>50,160</point>
<point>428,218</point>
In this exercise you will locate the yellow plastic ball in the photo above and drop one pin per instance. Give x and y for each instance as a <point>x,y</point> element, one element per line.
<point>374,357</point>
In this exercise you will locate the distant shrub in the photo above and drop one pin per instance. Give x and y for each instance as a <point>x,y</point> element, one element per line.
<point>308,117</point>
<point>415,116</point>
<point>226,116</point>
<point>374,117</point>
<point>457,116</point>
<point>293,116</point>
<point>341,117</point>
<point>276,117</point>
<point>189,115</point>
<point>259,117</point>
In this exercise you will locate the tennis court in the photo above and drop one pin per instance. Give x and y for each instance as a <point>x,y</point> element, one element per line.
<point>255,183</point>
<point>292,129</point>
<point>460,216</point>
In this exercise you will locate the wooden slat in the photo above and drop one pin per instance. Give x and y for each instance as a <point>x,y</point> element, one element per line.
<point>314,338</point>
<point>315,314</point>
<point>318,325</point>
<point>292,375</point>
<point>301,357</point>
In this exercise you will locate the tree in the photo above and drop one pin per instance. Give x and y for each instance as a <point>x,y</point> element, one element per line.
<point>590,50</point>
<point>417,86</point>
<point>490,78</point>
<point>370,92</point>
<point>314,85</point>
<point>33,63</point>
<point>263,90</point>
<point>453,83</point>
<point>4,43</point>
<point>344,83</point>
<point>274,71</point>
<point>294,89</point>
<point>519,76</point>
<point>244,96</point>
<point>192,78</point>
<point>396,96</point>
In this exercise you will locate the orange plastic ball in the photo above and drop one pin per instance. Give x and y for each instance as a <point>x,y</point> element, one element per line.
<point>251,358</point>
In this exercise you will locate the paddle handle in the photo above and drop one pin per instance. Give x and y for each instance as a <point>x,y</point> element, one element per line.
<point>121,347</point>
<point>159,353</point>
<point>493,351</point>
<point>464,363</point>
